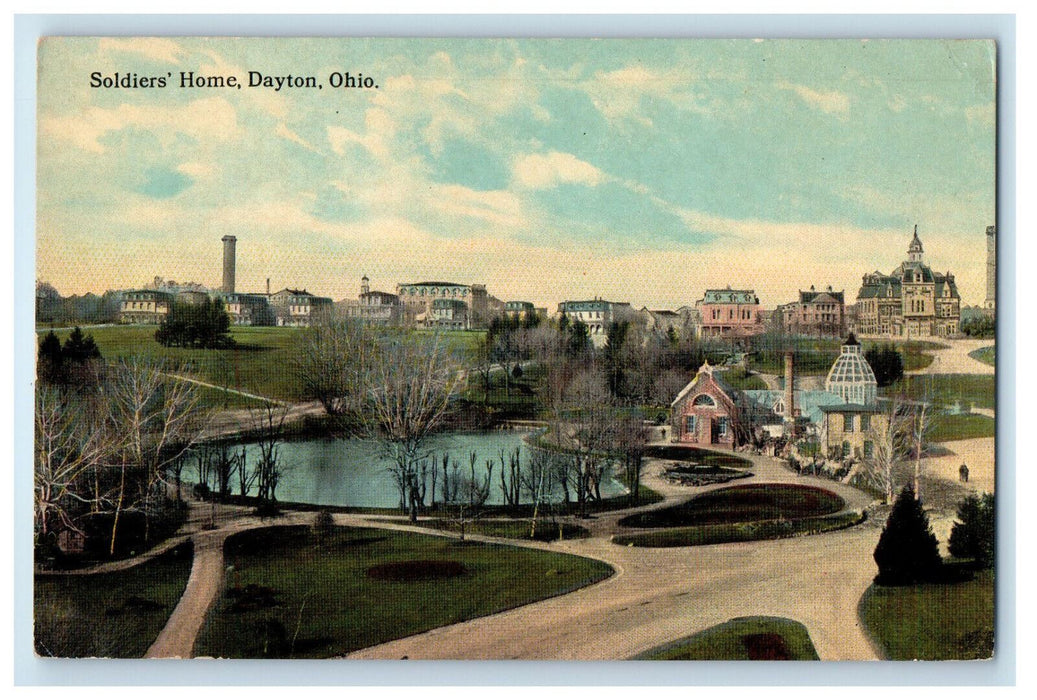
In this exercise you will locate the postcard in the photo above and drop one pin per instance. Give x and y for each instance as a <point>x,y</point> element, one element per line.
<point>565,349</point>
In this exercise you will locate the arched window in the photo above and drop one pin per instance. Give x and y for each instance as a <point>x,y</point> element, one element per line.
<point>703,400</point>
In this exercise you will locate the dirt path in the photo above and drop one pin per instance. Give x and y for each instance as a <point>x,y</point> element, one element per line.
<point>658,595</point>
<point>955,358</point>
<point>655,596</point>
<point>177,638</point>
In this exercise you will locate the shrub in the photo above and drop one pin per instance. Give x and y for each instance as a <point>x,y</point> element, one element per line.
<point>972,536</point>
<point>907,551</point>
<point>322,526</point>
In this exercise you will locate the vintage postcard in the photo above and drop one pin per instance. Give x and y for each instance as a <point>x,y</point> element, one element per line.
<point>515,349</point>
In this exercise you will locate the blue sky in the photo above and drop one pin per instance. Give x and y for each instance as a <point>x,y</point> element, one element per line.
<point>637,170</point>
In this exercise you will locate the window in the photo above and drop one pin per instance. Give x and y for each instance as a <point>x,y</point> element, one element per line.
<point>703,400</point>
<point>846,448</point>
<point>869,449</point>
<point>865,425</point>
<point>848,423</point>
<point>722,426</point>
<point>689,425</point>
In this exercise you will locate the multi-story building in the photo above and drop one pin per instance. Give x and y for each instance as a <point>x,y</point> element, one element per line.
<point>597,315</point>
<point>523,309</point>
<point>417,298</point>
<point>297,307</point>
<point>144,306</point>
<point>729,313</point>
<point>911,301</point>
<point>817,313</point>
<point>450,314</point>
<point>373,306</point>
<point>247,309</point>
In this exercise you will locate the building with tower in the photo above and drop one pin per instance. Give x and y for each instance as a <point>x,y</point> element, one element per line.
<point>373,306</point>
<point>912,301</point>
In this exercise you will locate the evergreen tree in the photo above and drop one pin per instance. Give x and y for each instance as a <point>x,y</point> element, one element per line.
<point>907,552</point>
<point>972,536</point>
<point>203,325</point>
<point>79,348</point>
<point>50,362</point>
<point>886,362</point>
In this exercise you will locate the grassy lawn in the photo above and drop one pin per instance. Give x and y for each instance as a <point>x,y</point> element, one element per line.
<point>987,356</point>
<point>946,428</point>
<point>946,389</point>
<point>742,504</point>
<point>546,531</point>
<point>742,639</point>
<point>722,533</point>
<point>815,356</point>
<point>115,615</point>
<point>287,598</point>
<point>697,455</point>
<point>259,365</point>
<point>737,378</point>
<point>932,621</point>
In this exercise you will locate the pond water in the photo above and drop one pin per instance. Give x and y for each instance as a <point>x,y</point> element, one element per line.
<point>355,472</point>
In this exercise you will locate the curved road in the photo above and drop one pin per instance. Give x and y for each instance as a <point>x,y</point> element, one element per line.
<point>656,595</point>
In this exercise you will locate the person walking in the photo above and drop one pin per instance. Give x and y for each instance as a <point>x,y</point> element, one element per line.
<point>963,473</point>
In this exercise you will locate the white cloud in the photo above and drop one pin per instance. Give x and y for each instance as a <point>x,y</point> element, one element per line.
<point>197,170</point>
<point>539,171</point>
<point>210,118</point>
<point>829,102</point>
<point>155,48</point>
<point>619,94</point>
<point>284,132</point>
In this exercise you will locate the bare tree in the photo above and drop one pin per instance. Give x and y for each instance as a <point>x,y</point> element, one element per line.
<point>537,479</point>
<point>330,361</point>
<point>408,392</point>
<point>70,442</point>
<point>472,495</point>
<point>589,432</point>
<point>631,443</point>
<point>268,426</point>
<point>157,413</point>
<point>891,448</point>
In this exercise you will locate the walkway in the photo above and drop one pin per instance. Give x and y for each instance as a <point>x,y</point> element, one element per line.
<point>955,359</point>
<point>658,595</point>
<point>208,530</point>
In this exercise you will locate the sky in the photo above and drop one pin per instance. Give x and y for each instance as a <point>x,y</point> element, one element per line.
<point>643,171</point>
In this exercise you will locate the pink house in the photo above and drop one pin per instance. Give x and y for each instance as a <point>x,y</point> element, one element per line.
<point>705,412</point>
<point>729,313</point>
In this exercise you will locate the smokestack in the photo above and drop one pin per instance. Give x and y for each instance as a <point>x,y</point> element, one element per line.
<point>228,264</point>
<point>790,380</point>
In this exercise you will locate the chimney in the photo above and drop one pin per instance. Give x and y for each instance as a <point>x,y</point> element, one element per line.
<point>228,264</point>
<point>268,286</point>
<point>790,380</point>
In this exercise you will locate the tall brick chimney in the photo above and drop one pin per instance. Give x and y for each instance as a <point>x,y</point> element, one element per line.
<point>228,264</point>
<point>790,395</point>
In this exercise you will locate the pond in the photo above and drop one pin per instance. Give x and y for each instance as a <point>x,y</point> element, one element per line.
<point>355,472</point>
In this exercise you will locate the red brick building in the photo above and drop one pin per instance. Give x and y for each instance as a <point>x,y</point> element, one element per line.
<point>706,411</point>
